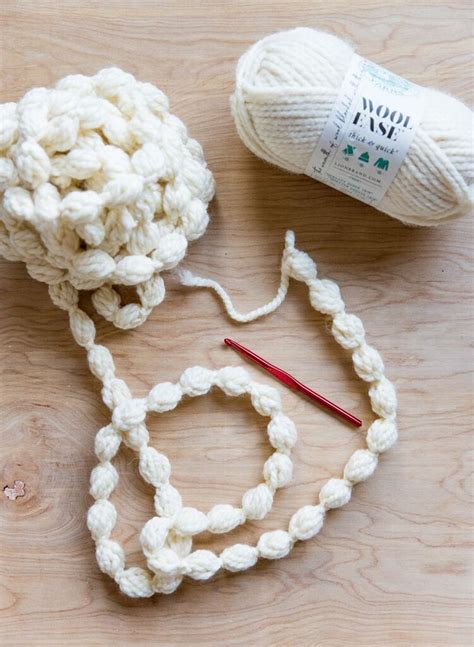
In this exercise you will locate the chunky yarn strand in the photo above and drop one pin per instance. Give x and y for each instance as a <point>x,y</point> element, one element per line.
<point>166,539</point>
<point>285,87</point>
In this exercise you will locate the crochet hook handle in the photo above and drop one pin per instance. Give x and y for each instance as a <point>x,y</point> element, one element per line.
<point>293,383</point>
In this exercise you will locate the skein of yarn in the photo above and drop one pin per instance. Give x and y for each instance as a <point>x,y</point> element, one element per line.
<point>286,87</point>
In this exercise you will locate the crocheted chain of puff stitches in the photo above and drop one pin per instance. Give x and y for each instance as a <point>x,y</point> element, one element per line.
<point>100,186</point>
<point>167,539</point>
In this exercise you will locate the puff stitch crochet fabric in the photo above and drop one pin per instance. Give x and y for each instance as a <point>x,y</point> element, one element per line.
<point>102,187</point>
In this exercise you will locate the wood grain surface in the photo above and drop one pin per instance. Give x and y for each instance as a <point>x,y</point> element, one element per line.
<point>394,567</point>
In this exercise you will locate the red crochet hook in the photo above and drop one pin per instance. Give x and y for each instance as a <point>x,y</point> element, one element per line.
<point>293,383</point>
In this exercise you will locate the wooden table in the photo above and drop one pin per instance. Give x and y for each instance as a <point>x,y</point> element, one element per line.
<point>393,567</point>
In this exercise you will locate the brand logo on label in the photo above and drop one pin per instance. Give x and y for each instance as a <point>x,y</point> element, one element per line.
<point>388,81</point>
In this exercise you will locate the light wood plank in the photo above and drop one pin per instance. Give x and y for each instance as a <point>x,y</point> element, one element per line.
<point>392,568</point>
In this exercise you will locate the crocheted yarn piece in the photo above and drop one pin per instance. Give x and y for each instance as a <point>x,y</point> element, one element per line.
<point>100,186</point>
<point>166,539</point>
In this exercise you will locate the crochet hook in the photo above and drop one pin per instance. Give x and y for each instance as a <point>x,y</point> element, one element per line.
<point>293,383</point>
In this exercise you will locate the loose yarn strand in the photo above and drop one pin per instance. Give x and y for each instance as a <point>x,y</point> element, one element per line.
<point>188,279</point>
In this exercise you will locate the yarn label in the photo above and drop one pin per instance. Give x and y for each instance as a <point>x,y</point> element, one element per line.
<point>368,133</point>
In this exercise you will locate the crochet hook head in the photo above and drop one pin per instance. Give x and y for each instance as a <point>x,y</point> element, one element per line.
<point>293,383</point>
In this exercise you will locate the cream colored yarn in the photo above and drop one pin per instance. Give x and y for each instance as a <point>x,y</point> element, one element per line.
<point>285,87</point>
<point>166,539</point>
<point>103,187</point>
<point>100,186</point>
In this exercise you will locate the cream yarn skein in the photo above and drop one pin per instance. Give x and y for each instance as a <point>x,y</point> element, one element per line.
<point>100,186</point>
<point>285,87</point>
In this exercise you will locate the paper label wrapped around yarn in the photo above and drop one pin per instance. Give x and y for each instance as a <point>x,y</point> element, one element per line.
<point>368,133</point>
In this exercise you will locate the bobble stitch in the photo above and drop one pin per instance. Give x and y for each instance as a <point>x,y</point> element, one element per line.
<point>107,443</point>
<point>265,399</point>
<point>257,502</point>
<point>47,202</point>
<point>136,583</point>
<point>167,501</point>
<point>383,398</point>
<point>115,392</point>
<point>348,330</point>
<point>129,413</point>
<point>165,562</point>
<point>190,521</point>
<point>360,466</point>
<point>196,381</point>
<point>133,270</point>
<point>201,565</point>
<point>100,362</point>
<point>164,397</point>
<point>154,467</point>
<point>274,545</point>
<point>335,493</point>
<point>137,437</point>
<point>301,266</point>
<point>233,380</point>
<point>104,479</point>
<point>18,203</point>
<point>170,250</point>
<point>106,301</point>
<point>166,585</point>
<point>306,522</point>
<point>239,557</point>
<point>223,518</point>
<point>82,328</point>
<point>110,557</point>
<point>368,363</point>
<point>282,433</point>
<point>382,435</point>
<point>326,297</point>
<point>80,207</point>
<point>130,316</point>
<point>278,471</point>
<point>153,535</point>
<point>151,292</point>
<point>101,519</point>
<point>32,163</point>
